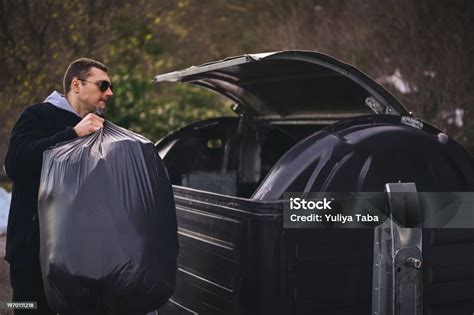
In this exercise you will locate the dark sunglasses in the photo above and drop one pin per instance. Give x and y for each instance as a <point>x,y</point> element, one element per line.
<point>103,85</point>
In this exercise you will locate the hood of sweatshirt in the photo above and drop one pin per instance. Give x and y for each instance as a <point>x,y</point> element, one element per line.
<point>59,101</point>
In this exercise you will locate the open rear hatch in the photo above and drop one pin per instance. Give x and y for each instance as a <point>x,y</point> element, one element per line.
<point>290,83</point>
<point>281,98</point>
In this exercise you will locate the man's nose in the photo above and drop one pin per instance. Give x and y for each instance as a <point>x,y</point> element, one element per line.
<point>109,92</point>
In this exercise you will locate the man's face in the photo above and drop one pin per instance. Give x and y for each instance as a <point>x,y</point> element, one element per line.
<point>90,97</point>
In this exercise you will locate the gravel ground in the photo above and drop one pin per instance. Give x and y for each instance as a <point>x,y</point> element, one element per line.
<point>5,290</point>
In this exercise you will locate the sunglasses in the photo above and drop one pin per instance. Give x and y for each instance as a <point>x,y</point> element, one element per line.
<point>103,85</point>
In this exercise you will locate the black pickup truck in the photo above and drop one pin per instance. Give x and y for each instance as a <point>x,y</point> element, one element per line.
<point>305,123</point>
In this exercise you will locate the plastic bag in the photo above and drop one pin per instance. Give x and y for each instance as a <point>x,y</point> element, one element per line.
<point>108,233</point>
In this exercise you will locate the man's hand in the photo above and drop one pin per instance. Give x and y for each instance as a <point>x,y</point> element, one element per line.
<point>89,124</point>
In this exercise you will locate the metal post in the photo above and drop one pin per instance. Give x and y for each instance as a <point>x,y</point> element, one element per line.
<point>398,261</point>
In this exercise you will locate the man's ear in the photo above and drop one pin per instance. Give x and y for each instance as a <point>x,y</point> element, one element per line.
<point>75,85</point>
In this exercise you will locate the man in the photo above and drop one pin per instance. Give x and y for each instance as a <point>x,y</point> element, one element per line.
<point>59,118</point>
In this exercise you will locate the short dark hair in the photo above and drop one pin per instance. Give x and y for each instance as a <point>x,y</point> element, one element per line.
<point>80,68</point>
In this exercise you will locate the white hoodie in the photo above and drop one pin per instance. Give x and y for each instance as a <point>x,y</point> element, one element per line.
<point>59,101</point>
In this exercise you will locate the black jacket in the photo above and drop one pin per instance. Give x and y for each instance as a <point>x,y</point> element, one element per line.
<point>39,127</point>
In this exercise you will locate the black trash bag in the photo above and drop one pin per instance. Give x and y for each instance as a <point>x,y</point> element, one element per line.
<point>108,233</point>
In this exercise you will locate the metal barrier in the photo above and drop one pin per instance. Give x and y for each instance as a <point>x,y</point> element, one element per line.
<point>398,260</point>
